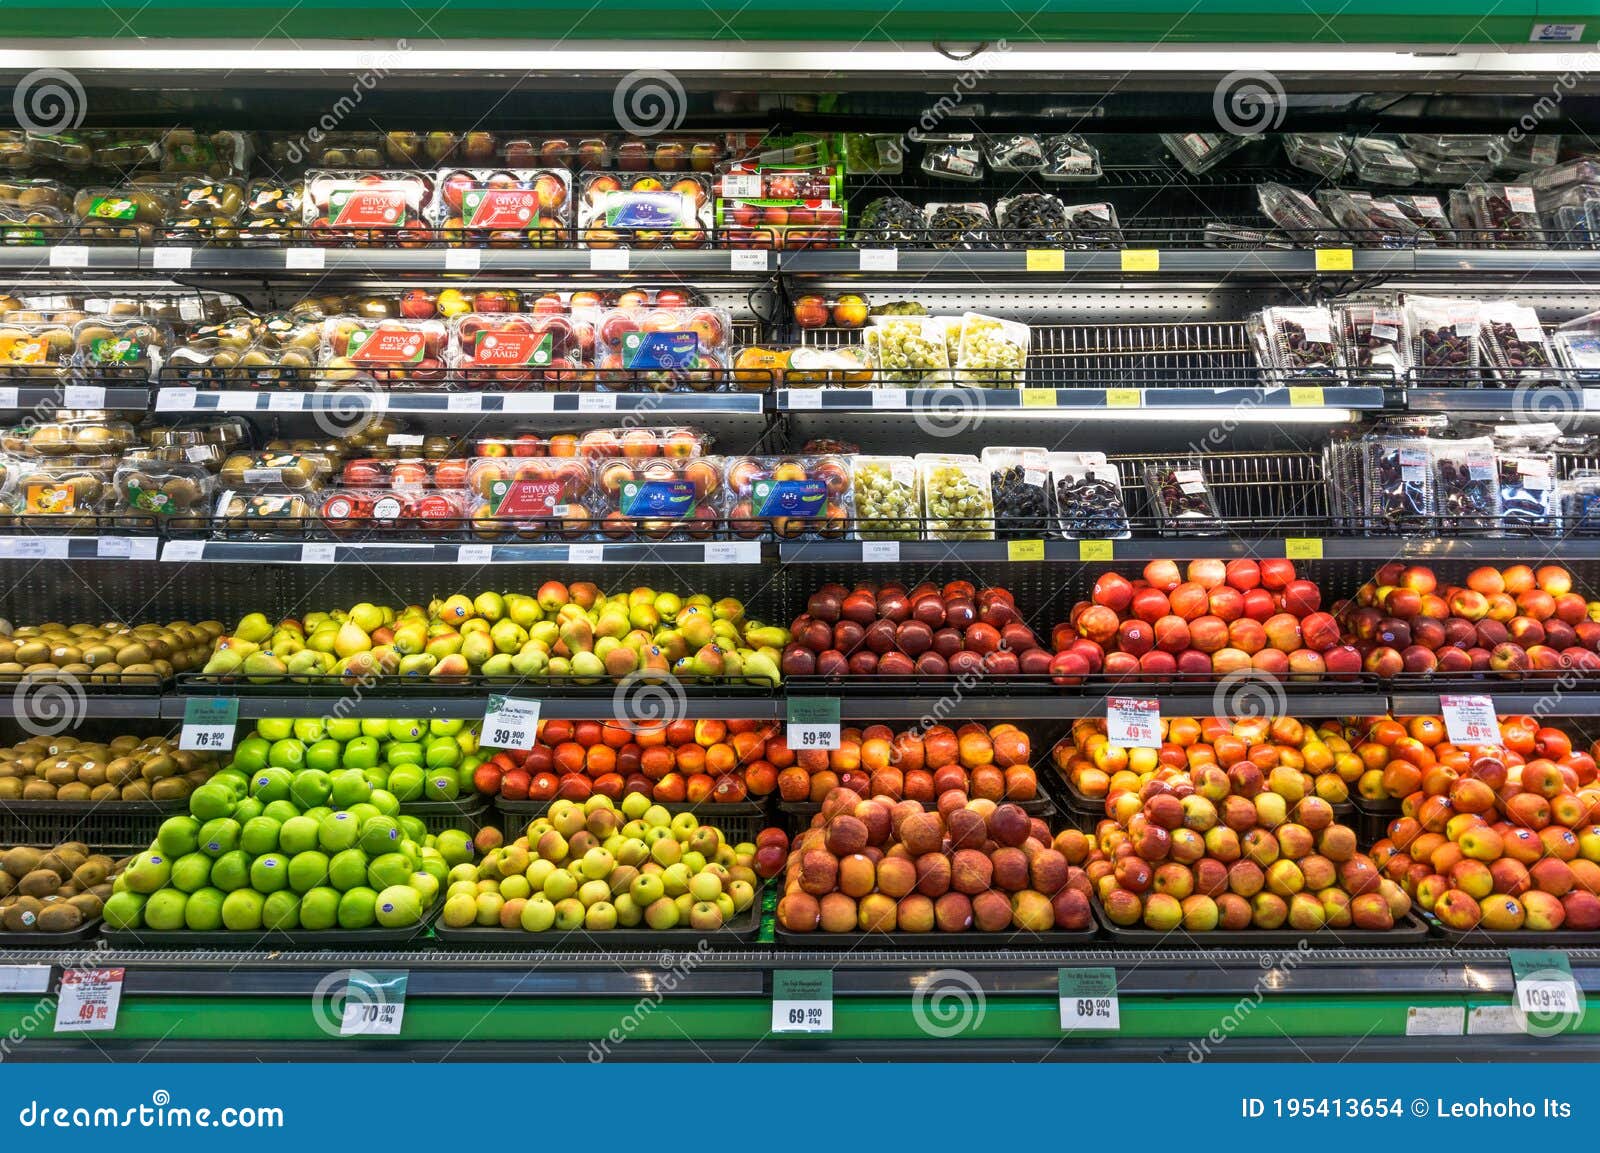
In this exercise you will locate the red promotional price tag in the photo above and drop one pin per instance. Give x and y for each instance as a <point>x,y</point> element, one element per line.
<point>1133,722</point>
<point>1470,720</point>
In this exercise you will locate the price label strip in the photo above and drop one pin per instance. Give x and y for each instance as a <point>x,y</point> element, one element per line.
<point>208,723</point>
<point>1089,999</point>
<point>1133,722</point>
<point>813,722</point>
<point>802,1001</point>
<point>1470,720</point>
<point>374,1005</point>
<point>880,551</point>
<point>1547,994</point>
<point>89,1000</point>
<point>510,723</point>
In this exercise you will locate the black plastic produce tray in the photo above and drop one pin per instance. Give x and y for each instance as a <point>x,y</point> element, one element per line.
<point>972,939</point>
<point>36,939</point>
<point>740,931</point>
<point>264,939</point>
<point>704,810</point>
<point>1409,930</point>
<point>1042,805</point>
<point>1515,939</point>
<point>437,816</point>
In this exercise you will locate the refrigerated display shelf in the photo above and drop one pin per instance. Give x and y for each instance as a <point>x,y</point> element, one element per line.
<point>393,552</point>
<point>349,398</point>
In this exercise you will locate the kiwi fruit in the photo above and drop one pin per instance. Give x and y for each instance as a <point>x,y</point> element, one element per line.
<point>7,883</point>
<point>20,861</point>
<point>157,767</point>
<point>73,791</point>
<point>136,791</point>
<point>170,789</point>
<point>90,873</point>
<point>105,792</point>
<point>20,915</point>
<point>38,791</point>
<point>89,904</point>
<point>61,917</point>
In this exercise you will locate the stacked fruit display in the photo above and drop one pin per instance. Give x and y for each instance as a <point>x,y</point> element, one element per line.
<point>595,866</point>
<point>1398,753</point>
<point>877,865</point>
<point>126,768</point>
<point>343,761</point>
<point>54,890</point>
<point>918,764</point>
<point>1213,618</point>
<point>1501,838</point>
<point>566,631</point>
<point>926,631</point>
<point>1294,759</point>
<point>708,761</point>
<point>1513,620</point>
<point>1206,848</point>
<point>137,654</point>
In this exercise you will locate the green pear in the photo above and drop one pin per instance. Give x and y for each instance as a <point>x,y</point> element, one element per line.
<point>545,634</point>
<point>367,617</point>
<point>612,623</point>
<point>696,630</point>
<point>641,596</point>
<point>498,665</point>
<point>644,617</point>
<point>524,610</point>
<point>322,640</point>
<point>707,662</point>
<point>732,663</point>
<point>454,665</point>
<point>444,645</point>
<point>411,637</point>
<point>578,635</point>
<point>475,625</point>
<point>671,642</point>
<point>587,667</point>
<point>767,637</point>
<point>312,620</point>
<point>508,636</point>
<point>653,660</point>
<point>490,606</point>
<point>477,648</point>
<point>263,668</point>
<point>728,609</point>
<point>223,662</point>
<point>668,605</point>
<point>417,664</point>
<point>606,645</point>
<point>352,639</point>
<point>560,667</point>
<point>759,668</point>
<point>254,627</point>
<point>386,658</point>
<point>530,662</point>
<point>304,664</point>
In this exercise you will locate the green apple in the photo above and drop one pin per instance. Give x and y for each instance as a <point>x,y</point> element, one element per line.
<point>281,911</point>
<point>398,906</point>
<point>308,870</point>
<point>569,914</point>
<point>406,730</point>
<point>380,835</point>
<point>241,910</point>
<point>538,914</point>
<point>341,729</point>
<point>647,888</point>
<point>375,727</point>
<point>403,753</point>
<point>309,730</point>
<point>211,801</point>
<point>219,836</point>
<point>203,912</point>
<point>441,785</point>
<point>445,728</point>
<point>178,836</point>
<point>287,754</point>
<point>163,912</point>
<point>347,870</point>
<point>274,728</point>
<point>324,755</point>
<point>337,832</point>
<point>191,872</point>
<point>675,879</point>
<point>358,908</point>
<point>427,886</point>
<point>280,810</point>
<point>348,787</point>
<point>148,872</point>
<point>362,752</point>
<point>387,870</point>
<point>310,788</point>
<point>319,909</point>
<point>259,835</point>
<point>269,873</point>
<point>385,802</point>
<point>124,910</point>
<point>683,825</point>
<point>299,834</point>
<point>406,783</point>
<point>251,753</point>
<point>635,805</point>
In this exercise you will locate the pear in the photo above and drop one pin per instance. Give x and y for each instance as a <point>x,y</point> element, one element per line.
<point>767,637</point>
<point>696,629</point>
<point>387,659</point>
<point>498,665</point>
<point>322,640</point>
<point>382,635</point>
<point>254,628</point>
<point>728,609</point>
<point>668,605</point>
<point>732,663</point>
<point>263,668</point>
<point>223,662</point>
<point>560,667</point>
<point>451,667</point>
<point>304,665</point>
<point>445,644</point>
<point>644,617</point>
<point>508,636</point>
<point>352,639</point>
<point>357,667</point>
<point>604,646</point>
<point>312,620</point>
<point>545,633</point>
<point>523,609</point>
<point>367,617</point>
<point>287,646</point>
<point>641,596</point>
<point>672,643</point>
<point>477,648</point>
<point>490,606</point>
<point>417,664</point>
<point>456,609</point>
<point>410,637</point>
<point>683,668</point>
<point>759,668</point>
<point>619,661</point>
<point>552,595</point>
<point>587,667</point>
<point>530,662</point>
<point>653,660</point>
<point>612,623</point>
<point>237,644</point>
<point>578,635</point>
<point>707,662</point>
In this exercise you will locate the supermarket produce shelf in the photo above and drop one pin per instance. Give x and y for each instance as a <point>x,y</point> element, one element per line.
<point>37,397</point>
<point>108,546</point>
<point>421,552</point>
<point>262,260</point>
<point>1305,546</point>
<point>1055,264</point>
<point>351,399</point>
<point>1044,401</point>
<point>67,259</point>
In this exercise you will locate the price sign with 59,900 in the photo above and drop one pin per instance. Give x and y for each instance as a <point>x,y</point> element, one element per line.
<point>813,723</point>
<point>510,723</point>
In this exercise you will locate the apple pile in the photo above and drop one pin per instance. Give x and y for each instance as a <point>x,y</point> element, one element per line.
<point>573,631</point>
<point>884,866</point>
<point>1502,838</point>
<point>595,866</point>
<point>1290,757</point>
<point>1512,620</point>
<point>988,764</point>
<point>1213,618</point>
<point>708,761</point>
<point>926,631</point>
<point>1397,754</point>
<point>1208,848</point>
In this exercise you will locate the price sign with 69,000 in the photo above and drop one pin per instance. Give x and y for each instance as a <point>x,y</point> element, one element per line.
<point>1089,999</point>
<point>510,723</point>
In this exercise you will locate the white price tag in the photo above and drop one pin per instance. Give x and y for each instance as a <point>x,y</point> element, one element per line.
<point>586,553</point>
<point>464,402</point>
<point>510,723</point>
<point>748,260</point>
<point>175,399</point>
<point>24,978</point>
<point>1470,720</point>
<point>83,396</point>
<point>406,440</point>
<point>475,554</point>
<point>527,402</point>
<point>804,399</point>
<point>316,554</point>
<point>183,550</point>
<point>1554,997</point>
<point>596,402</point>
<point>285,401</point>
<point>1436,1020</point>
<point>741,186</point>
<point>174,258</point>
<point>34,547</point>
<point>1133,722</point>
<point>236,400</point>
<point>206,738</point>
<point>880,260</point>
<point>8,397</point>
<point>1520,198</point>
<point>880,552</point>
<point>802,1001</point>
<point>733,552</point>
<point>89,1000</point>
<point>1088,999</point>
<point>462,260</point>
<point>608,260</point>
<point>1556,33</point>
<point>888,398</point>
<point>812,736</point>
<point>144,547</point>
<point>114,546</point>
<point>305,258</point>
<point>69,256</point>
<point>1492,1020</point>
<point>374,1005</point>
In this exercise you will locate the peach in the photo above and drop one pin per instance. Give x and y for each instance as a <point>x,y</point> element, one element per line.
<point>1162,575</point>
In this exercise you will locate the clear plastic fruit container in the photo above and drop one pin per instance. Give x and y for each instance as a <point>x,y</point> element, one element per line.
<point>336,199</point>
<point>795,497</point>
<point>558,479</point>
<point>268,469</point>
<point>277,200</point>
<point>170,490</point>
<point>128,213</point>
<point>907,351</point>
<point>993,351</point>
<point>120,344</point>
<point>664,349</point>
<point>404,473</point>
<point>956,500</point>
<point>214,154</point>
<point>351,511</point>
<point>65,491</point>
<point>637,443</point>
<point>499,350</point>
<point>659,499</point>
<point>503,207</point>
<point>76,434</point>
<point>392,352</point>
<point>888,497</point>
<point>263,512</point>
<point>645,210</point>
<point>28,349</point>
<point>1088,497</point>
<point>27,224</point>
<point>512,444</point>
<point>38,192</point>
<point>209,197</point>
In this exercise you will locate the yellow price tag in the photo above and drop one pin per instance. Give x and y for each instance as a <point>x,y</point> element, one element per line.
<point>1047,260</point>
<point>1024,550</point>
<point>1141,260</point>
<point>1305,396</point>
<point>1095,550</point>
<point>1038,398</point>
<point>1335,260</point>
<point>1124,398</point>
<point>1303,548</point>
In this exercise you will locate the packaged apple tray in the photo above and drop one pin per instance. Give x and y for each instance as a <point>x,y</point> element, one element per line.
<point>1408,930</point>
<point>258,939</point>
<point>741,930</point>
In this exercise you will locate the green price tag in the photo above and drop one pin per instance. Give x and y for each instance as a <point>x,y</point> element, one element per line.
<point>802,1001</point>
<point>1089,999</point>
<point>813,722</point>
<point>208,723</point>
<point>374,1004</point>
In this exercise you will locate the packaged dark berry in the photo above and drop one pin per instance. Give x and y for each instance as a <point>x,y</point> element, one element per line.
<point>1530,154</point>
<point>962,227</point>
<point>958,159</point>
<point>1399,483</point>
<point>1032,219</point>
<point>1517,350</point>
<point>1019,485</point>
<point>1443,335</point>
<point>1584,170</point>
<point>1580,351</point>
<point>890,220</point>
<point>1368,221</point>
<point>1070,159</point>
<point>1380,161</point>
<point>1088,497</point>
<point>1580,504</point>
<point>1201,151</point>
<point>1372,341</point>
<point>1506,215</point>
<point>1465,480</point>
<point>1301,342</point>
<point>1181,500</point>
<point>1015,152</point>
<point>1530,500</point>
<point>1297,214</point>
<point>1428,215</point>
<point>475,207</point>
<point>1094,225</point>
